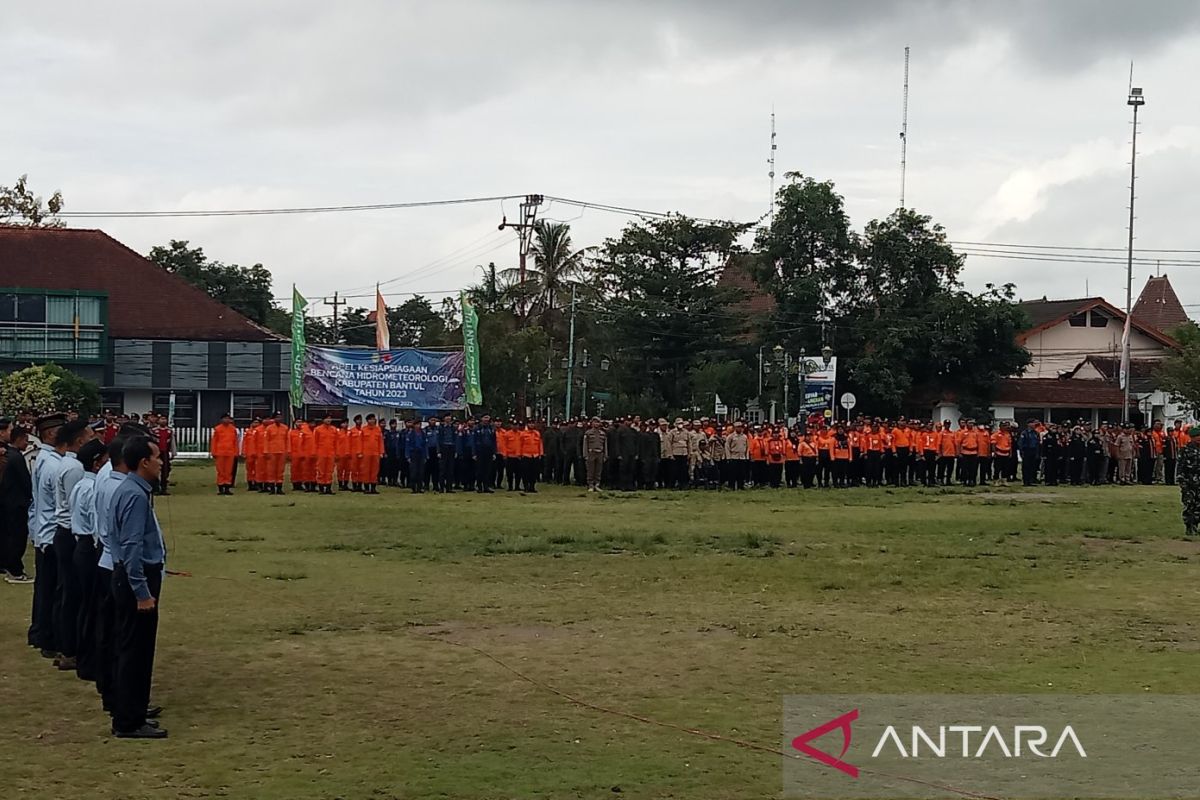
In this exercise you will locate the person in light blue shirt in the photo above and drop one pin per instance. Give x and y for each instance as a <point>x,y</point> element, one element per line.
<point>87,553</point>
<point>68,593</point>
<point>108,479</point>
<point>138,557</point>
<point>41,534</point>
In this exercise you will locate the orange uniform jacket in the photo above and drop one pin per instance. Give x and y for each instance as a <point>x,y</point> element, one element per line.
<point>529,443</point>
<point>1002,443</point>
<point>902,437</point>
<point>372,440</point>
<point>775,450</point>
<point>224,441</point>
<point>508,443</point>
<point>806,449</point>
<point>274,439</point>
<point>929,441</point>
<point>969,443</point>
<point>983,441</point>
<point>325,440</point>
<point>757,451</point>
<point>947,444</point>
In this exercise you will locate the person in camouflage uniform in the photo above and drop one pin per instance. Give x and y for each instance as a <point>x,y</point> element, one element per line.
<point>1188,477</point>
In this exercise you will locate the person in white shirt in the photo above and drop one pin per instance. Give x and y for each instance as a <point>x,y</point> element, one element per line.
<point>72,436</point>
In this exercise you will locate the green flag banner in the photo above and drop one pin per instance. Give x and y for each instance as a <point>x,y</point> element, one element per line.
<point>298,347</point>
<point>470,328</point>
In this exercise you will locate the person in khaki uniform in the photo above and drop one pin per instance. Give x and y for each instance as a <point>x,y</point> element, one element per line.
<point>695,436</point>
<point>595,453</point>
<point>680,447</point>
<point>737,453</point>
<point>666,466</point>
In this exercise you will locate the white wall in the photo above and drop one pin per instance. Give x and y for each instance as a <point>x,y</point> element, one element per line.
<point>1062,347</point>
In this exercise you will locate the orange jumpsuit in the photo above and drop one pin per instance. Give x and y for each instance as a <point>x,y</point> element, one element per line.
<point>345,471</point>
<point>372,452</point>
<point>224,449</point>
<point>274,452</point>
<point>297,448</point>
<point>252,450</point>
<point>355,443</point>
<point>325,441</point>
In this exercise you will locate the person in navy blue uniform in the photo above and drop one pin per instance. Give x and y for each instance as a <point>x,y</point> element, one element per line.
<point>464,448</point>
<point>391,454</point>
<point>138,557</point>
<point>416,452</point>
<point>485,455</point>
<point>447,455</point>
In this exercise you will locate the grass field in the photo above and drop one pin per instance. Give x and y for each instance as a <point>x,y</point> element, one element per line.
<point>309,654</point>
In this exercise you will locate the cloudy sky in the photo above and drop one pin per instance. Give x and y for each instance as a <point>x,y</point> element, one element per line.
<point>1018,128</point>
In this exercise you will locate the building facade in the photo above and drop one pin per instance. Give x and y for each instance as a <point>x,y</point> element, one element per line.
<point>149,339</point>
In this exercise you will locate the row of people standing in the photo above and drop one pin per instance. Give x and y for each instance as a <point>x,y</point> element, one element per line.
<point>99,557</point>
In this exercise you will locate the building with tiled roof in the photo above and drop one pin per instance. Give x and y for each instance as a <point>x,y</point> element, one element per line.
<point>1158,306</point>
<point>82,299</point>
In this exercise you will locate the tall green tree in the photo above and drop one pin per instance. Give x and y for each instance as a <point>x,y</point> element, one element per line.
<point>1179,373</point>
<point>246,290</point>
<point>662,308</point>
<point>20,206</point>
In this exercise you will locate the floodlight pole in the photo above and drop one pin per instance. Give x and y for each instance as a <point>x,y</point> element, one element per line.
<point>1136,100</point>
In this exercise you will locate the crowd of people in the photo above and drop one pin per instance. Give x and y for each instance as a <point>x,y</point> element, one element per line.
<point>447,455</point>
<point>85,506</point>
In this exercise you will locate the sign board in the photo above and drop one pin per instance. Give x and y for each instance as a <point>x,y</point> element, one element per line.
<point>816,370</point>
<point>398,378</point>
<point>719,408</point>
<point>849,401</point>
<point>602,395</point>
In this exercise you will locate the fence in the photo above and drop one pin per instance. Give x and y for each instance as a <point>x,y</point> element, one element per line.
<point>192,439</point>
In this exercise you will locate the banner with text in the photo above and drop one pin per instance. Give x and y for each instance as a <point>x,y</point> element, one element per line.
<point>818,385</point>
<point>400,378</point>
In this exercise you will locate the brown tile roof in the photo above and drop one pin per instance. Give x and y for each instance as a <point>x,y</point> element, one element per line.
<point>1158,305</point>
<point>144,300</point>
<point>1044,314</point>
<point>1058,392</point>
<point>755,304</point>
<point>1141,371</point>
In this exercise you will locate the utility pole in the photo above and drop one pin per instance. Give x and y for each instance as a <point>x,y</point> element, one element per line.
<point>904,132</point>
<point>771,164</point>
<point>335,302</point>
<point>787,373</point>
<point>524,228</point>
<point>1137,101</point>
<point>570,355</point>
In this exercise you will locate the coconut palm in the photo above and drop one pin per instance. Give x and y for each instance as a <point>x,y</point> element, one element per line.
<point>556,266</point>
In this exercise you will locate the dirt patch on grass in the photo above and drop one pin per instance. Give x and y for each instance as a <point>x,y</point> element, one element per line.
<point>1021,497</point>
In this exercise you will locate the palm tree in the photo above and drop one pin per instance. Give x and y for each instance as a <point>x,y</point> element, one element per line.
<point>556,265</point>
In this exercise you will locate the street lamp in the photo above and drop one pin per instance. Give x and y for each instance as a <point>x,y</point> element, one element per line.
<point>585,365</point>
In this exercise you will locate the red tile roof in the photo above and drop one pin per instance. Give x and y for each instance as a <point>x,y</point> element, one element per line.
<point>1158,305</point>
<point>755,304</point>
<point>144,300</point>
<point>1058,392</point>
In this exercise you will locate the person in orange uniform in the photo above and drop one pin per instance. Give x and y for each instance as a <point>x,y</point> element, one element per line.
<point>325,440</point>
<point>806,451</point>
<point>776,449</point>
<point>983,440</point>
<point>758,459</point>
<point>297,447</point>
<point>968,454</point>
<point>529,444</point>
<point>927,440</point>
<point>841,457</point>
<point>372,454</point>
<point>342,458</point>
<point>1003,467</point>
<point>224,449</point>
<point>252,451</point>
<point>825,438</point>
<point>791,459</point>
<point>354,442</point>
<point>508,444</point>
<point>274,454</point>
<point>947,453</point>
<point>902,447</point>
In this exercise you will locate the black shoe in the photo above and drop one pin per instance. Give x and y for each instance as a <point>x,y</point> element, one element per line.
<point>488,491</point>
<point>154,712</point>
<point>66,663</point>
<point>144,732</point>
<point>50,654</point>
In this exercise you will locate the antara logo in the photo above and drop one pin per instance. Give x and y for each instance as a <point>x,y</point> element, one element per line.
<point>951,741</point>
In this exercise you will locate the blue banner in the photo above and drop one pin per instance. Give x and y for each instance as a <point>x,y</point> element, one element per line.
<point>401,378</point>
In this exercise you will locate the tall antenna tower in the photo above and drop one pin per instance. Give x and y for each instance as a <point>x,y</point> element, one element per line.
<point>904,132</point>
<point>771,164</point>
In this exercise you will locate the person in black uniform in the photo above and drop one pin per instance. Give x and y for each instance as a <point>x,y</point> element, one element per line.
<point>552,460</point>
<point>1050,454</point>
<point>1097,450</point>
<point>649,454</point>
<point>627,452</point>
<point>1076,455</point>
<point>571,448</point>
<point>613,465</point>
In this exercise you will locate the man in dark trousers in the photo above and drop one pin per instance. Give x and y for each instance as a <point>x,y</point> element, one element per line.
<point>16,493</point>
<point>68,592</point>
<point>485,455</point>
<point>572,454</point>
<point>1029,445</point>
<point>552,461</point>
<point>447,455</point>
<point>138,557</point>
<point>627,453</point>
<point>416,451</point>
